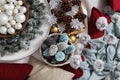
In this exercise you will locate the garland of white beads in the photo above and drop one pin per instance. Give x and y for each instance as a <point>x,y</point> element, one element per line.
<point>12,15</point>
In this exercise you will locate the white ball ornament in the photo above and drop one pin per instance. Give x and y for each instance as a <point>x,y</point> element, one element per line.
<point>9,12</point>
<point>18,26</point>
<point>3,19</point>
<point>11,6</point>
<point>20,18</point>
<point>2,2</point>
<point>12,22</point>
<point>6,6</point>
<point>8,25</point>
<point>23,10</point>
<point>15,11</point>
<point>11,30</point>
<point>11,1</point>
<point>3,30</point>
<point>20,3</point>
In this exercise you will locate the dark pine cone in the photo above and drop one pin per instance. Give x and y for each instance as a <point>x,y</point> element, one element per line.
<point>59,14</point>
<point>76,2</point>
<point>68,28</point>
<point>80,16</point>
<point>66,5</point>
<point>67,19</point>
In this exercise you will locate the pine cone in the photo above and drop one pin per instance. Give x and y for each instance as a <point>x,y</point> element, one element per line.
<point>76,2</point>
<point>67,19</point>
<point>66,5</point>
<point>80,16</point>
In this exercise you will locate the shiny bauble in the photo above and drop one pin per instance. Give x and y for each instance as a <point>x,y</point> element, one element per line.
<point>18,26</point>
<point>20,18</point>
<point>3,30</point>
<point>9,12</point>
<point>54,29</point>
<point>11,30</point>
<point>23,9</point>
<point>3,19</point>
<point>2,2</point>
<point>72,38</point>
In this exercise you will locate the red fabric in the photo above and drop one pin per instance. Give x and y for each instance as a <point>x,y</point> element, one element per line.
<point>115,4</point>
<point>92,29</point>
<point>78,72</point>
<point>14,71</point>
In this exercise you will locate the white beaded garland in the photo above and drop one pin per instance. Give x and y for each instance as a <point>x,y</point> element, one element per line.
<point>11,6</point>
<point>20,17</point>
<point>11,1</point>
<point>23,10</point>
<point>11,30</point>
<point>18,26</point>
<point>3,30</point>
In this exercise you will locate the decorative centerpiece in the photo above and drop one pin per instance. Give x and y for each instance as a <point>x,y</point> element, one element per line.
<point>57,50</point>
<point>14,15</point>
<point>66,16</point>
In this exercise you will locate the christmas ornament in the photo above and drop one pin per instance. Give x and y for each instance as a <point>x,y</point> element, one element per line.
<point>3,19</point>
<point>3,30</point>
<point>64,38</point>
<point>23,9</point>
<point>72,38</point>
<point>60,56</point>
<point>20,17</point>
<point>53,50</point>
<point>62,46</point>
<point>54,29</point>
<point>11,30</point>
<point>18,26</point>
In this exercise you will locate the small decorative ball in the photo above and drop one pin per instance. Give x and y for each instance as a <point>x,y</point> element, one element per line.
<point>46,53</point>
<point>10,18</point>
<point>72,38</point>
<point>17,7</point>
<point>12,22</point>
<point>20,3</point>
<point>11,6</point>
<point>20,18</point>
<point>3,19</point>
<point>70,49</point>
<point>11,30</point>
<point>8,25</point>
<point>3,30</point>
<point>15,11</point>
<point>62,46</point>
<point>23,9</point>
<point>9,12</point>
<point>11,1</point>
<point>6,6</point>
<point>60,56</point>
<point>53,50</point>
<point>64,38</point>
<point>54,29</point>
<point>18,26</point>
<point>2,2</point>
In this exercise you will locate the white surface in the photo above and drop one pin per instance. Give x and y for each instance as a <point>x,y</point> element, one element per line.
<point>35,44</point>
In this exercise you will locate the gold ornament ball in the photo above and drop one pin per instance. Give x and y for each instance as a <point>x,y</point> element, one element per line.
<point>54,29</point>
<point>73,38</point>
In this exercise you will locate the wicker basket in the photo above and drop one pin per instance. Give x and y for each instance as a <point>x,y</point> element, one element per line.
<point>23,24</point>
<point>57,64</point>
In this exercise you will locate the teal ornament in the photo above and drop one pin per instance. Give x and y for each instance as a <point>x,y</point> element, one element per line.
<point>60,56</point>
<point>64,38</point>
<point>70,49</point>
<point>46,53</point>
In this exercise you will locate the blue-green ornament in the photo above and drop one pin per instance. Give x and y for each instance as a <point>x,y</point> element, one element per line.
<point>46,53</point>
<point>70,49</point>
<point>64,38</point>
<point>60,56</point>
